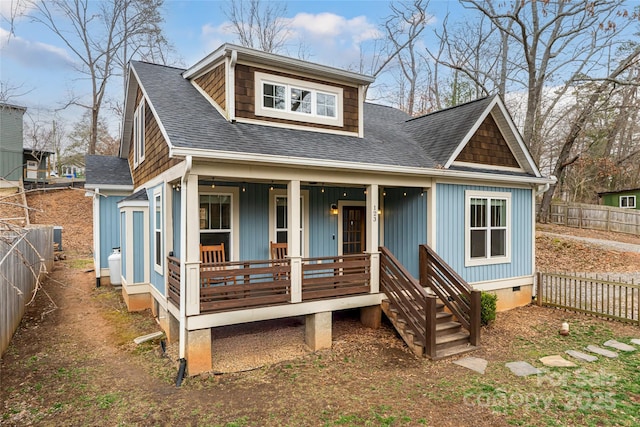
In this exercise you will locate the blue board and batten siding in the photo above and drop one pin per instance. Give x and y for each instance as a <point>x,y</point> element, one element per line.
<point>450,234</point>
<point>109,227</point>
<point>254,222</point>
<point>405,225</point>
<point>138,247</point>
<point>123,249</point>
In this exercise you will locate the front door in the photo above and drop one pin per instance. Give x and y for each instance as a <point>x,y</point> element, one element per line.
<point>353,230</point>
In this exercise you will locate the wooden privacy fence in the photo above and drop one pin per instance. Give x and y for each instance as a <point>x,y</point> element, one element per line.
<point>596,217</point>
<point>25,254</point>
<point>604,298</point>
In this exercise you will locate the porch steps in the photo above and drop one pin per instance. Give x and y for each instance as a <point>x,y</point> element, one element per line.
<point>451,338</point>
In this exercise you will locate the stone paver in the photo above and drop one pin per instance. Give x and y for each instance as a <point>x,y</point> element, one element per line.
<point>582,356</point>
<point>619,345</point>
<point>522,369</point>
<point>601,351</point>
<point>474,363</point>
<point>635,341</point>
<point>557,361</point>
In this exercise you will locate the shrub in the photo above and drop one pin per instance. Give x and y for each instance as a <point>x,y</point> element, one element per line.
<point>488,308</point>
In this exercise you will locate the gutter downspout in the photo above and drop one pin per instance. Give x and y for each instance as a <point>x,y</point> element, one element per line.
<point>183,269</point>
<point>232,84</point>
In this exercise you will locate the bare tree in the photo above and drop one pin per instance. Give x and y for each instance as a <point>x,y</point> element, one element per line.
<point>96,34</point>
<point>585,112</point>
<point>258,25</point>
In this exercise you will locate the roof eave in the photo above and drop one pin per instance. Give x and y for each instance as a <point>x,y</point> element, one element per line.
<point>275,60</point>
<point>353,166</point>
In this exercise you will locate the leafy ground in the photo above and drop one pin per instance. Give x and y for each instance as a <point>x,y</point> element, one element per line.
<point>72,362</point>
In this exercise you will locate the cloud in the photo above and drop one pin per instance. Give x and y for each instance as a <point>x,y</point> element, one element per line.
<point>339,28</point>
<point>32,53</point>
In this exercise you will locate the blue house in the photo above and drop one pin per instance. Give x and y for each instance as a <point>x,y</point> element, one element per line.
<point>378,210</point>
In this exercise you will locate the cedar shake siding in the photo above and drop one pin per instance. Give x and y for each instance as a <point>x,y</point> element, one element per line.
<point>156,159</point>
<point>213,83</point>
<point>245,99</point>
<point>488,146</point>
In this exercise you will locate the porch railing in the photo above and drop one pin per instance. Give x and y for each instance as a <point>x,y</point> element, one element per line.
<point>331,277</point>
<point>244,284</point>
<point>415,306</point>
<point>454,292</point>
<point>173,280</point>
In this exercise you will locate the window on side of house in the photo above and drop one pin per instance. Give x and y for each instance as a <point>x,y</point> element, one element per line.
<point>215,221</point>
<point>628,202</point>
<point>157,230</point>
<point>487,228</point>
<point>298,100</point>
<point>138,134</point>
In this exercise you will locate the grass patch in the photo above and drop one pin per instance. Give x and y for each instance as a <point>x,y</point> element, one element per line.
<point>80,263</point>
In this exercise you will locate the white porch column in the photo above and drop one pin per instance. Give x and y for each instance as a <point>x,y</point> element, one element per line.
<point>373,236</point>
<point>293,242</point>
<point>191,255</point>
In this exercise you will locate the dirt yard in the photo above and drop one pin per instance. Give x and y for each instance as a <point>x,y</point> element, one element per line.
<point>73,362</point>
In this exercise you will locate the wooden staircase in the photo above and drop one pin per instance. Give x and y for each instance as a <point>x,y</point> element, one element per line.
<point>440,323</point>
<point>451,338</point>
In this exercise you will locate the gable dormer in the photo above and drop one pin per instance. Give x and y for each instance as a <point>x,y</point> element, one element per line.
<point>251,86</point>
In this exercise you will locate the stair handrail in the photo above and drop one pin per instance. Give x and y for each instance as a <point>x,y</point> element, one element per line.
<point>455,293</point>
<point>405,292</point>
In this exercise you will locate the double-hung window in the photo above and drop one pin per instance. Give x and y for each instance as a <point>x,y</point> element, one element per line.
<point>138,134</point>
<point>628,202</point>
<point>298,100</point>
<point>215,221</point>
<point>157,229</point>
<point>487,228</point>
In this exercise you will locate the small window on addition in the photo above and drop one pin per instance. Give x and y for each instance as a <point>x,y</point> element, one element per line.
<point>516,289</point>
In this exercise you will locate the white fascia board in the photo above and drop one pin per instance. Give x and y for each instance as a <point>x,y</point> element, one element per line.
<point>106,187</point>
<point>469,134</point>
<point>350,166</point>
<point>163,131</point>
<point>276,60</point>
<point>133,204</point>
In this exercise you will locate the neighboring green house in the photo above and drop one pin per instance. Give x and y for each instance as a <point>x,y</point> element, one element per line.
<point>11,154</point>
<point>627,199</point>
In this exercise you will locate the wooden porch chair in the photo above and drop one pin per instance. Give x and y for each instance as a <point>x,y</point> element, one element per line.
<point>210,255</point>
<point>278,251</point>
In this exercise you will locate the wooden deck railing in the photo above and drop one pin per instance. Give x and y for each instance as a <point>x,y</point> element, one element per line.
<point>331,277</point>
<point>604,298</point>
<point>244,284</point>
<point>454,292</point>
<point>173,281</point>
<point>415,306</point>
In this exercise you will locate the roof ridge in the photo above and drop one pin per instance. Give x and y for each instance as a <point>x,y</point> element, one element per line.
<point>159,65</point>
<point>452,107</point>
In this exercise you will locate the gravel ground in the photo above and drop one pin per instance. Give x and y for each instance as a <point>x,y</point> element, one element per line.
<point>606,244</point>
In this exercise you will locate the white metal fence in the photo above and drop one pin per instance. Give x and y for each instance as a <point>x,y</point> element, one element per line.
<point>25,254</point>
<point>596,217</point>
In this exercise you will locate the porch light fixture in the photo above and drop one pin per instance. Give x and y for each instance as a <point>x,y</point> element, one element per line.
<point>271,188</point>
<point>244,187</point>
<point>344,194</point>
<point>379,212</point>
<point>384,194</point>
<point>404,194</point>
<point>334,209</point>
<point>213,183</point>
<point>322,191</point>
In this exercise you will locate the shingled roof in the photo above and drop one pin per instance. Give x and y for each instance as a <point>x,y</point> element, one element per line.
<point>391,137</point>
<point>105,171</point>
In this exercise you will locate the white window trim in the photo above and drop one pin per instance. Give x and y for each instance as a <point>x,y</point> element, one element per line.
<point>138,134</point>
<point>472,262</point>
<point>304,194</point>
<point>629,198</point>
<point>157,194</point>
<point>232,218</point>
<point>287,114</point>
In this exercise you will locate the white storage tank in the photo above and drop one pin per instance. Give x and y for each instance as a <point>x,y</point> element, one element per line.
<point>115,267</point>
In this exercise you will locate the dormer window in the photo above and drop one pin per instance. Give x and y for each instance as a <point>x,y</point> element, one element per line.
<point>298,100</point>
